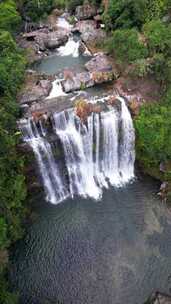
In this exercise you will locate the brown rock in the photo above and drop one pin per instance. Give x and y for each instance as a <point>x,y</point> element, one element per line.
<point>86,11</point>
<point>134,106</point>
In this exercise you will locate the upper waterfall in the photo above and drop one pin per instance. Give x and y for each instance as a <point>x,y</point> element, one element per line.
<point>97,153</point>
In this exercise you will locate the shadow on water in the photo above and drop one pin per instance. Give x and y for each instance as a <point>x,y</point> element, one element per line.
<point>81,251</point>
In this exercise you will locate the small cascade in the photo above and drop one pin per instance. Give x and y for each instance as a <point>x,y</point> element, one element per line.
<point>97,154</point>
<point>63,23</point>
<point>71,48</point>
<point>57,89</point>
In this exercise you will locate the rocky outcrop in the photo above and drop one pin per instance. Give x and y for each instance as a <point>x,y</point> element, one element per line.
<point>99,63</point>
<point>85,11</point>
<point>36,88</point>
<point>47,39</point>
<point>77,81</point>
<point>89,31</point>
<point>83,109</point>
<point>94,36</point>
<point>85,80</point>
<point>84,26</point>
<point>159,298</point>
<point>55,39</point>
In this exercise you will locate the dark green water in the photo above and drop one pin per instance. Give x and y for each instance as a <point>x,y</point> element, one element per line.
<point>115,251</point>
<point>53,64</point>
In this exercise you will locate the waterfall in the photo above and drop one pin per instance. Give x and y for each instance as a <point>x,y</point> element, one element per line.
<point>71,48</point>
<point>53,183</point>
<point>127,152</point>
<point>97,153</point>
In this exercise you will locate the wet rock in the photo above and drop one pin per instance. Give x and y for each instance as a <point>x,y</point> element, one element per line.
<point>78,81</point>
<point>159,298</point>
<point>85,11</point>
<point>164,188</point>
<point>46,85</point>
<point>82,48</point>
<point>112,100</point>
<point>99,63</point>
<point>85,80</point>
<point>39,116</point>
<point>24,109</point>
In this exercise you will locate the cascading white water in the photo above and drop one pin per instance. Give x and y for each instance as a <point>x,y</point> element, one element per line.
<point>127,151</point>
<point>97,153</point>
<point>53,183</point>
<point>57,89</point>
<point>71,48</point>
<point>63,23</point>
<point>81,181</point>
<point>110,155</point>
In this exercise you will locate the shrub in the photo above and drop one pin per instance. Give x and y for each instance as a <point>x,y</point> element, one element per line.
<point>125,14</point>
<point>9,17</point>
<point>158,36</point>
<point>126,45</point>
<point>153,134</point>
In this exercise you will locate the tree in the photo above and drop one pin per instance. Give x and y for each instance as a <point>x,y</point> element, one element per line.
<point>9,17</point>
<point>126,45</point>
<point>125,14</point>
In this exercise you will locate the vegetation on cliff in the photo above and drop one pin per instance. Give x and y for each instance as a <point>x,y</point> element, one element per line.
<point>12,181</point>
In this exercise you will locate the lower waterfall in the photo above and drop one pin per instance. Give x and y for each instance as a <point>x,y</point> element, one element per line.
<point>97,154</point>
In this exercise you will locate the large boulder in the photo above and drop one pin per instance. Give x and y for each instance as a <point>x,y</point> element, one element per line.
<point>77,81</point>
<point>84,26</point>
<point>93,36</point>
<point>99,63</point>
<point>35,92</point>
<point>55,39</point>
<point>85,80</point>
<point>85,11</point>
<point>159,298</point>
<point>45,39</point>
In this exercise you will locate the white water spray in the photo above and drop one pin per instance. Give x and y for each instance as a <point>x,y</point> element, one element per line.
<point>71,48</point>
<point>97,153</point>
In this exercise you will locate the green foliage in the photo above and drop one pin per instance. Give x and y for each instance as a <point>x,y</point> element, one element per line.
<point>126,45</point>
<point>9,17</point>
<point>3,233</point>
<point>40,9</point>
<point>141,68</point>
<point>125,14</point>
<point>72,4</point>
<point>158,36</point>
<point>153,134</point>
<point>155,9</point>
<point>6,297</point>
<point>12,181</point>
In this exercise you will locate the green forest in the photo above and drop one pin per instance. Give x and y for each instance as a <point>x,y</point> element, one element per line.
<point>139,34</point>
